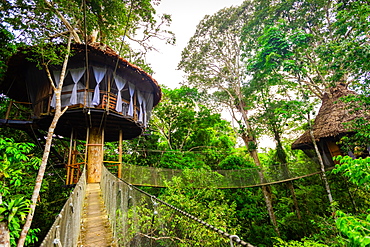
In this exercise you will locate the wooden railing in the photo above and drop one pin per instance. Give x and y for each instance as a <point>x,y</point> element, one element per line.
<point>17,110</point>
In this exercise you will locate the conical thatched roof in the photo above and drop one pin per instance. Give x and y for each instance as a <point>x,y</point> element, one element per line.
<point>330,118</point>
<point>99,53</point>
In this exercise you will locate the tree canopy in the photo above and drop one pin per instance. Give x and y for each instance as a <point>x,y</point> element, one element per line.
<point>270,63</point>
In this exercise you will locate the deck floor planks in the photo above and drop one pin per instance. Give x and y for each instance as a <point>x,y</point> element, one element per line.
<point>95,228</point>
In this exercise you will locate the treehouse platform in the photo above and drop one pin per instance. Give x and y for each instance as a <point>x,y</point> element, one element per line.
<point>100,89</point>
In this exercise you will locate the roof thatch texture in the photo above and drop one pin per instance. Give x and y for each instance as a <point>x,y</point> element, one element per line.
<point>98,53</point>
<point>330,118</point>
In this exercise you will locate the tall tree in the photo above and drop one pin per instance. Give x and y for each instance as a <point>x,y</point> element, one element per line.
<point>274,113</point>
<point>57,114</point>
<point>212,60</point>
<point>185,133</point>
<point>318,44</point>
<point>108,22</point>
<point>313,44</point>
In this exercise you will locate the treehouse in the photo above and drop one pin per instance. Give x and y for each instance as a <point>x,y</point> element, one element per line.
<point>329,126</point>
<point>100,89</point>
<point>108,99</point>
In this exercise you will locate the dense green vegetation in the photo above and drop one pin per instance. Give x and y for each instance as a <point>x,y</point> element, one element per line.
<point>269,63</point>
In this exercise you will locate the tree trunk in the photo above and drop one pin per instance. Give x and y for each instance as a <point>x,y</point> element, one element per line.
<point>95,155</point>
<point>58,113</point>
<point>323,175</point>
<point>4,231</point>
<point>266,190</point>
<point>4,234</point>
<point>283,160</point>
<point>251,144</point>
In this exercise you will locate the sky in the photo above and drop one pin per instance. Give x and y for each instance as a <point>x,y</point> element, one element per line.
<point>185,17</point>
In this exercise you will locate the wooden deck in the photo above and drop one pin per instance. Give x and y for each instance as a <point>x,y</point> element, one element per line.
<point>95,228</point>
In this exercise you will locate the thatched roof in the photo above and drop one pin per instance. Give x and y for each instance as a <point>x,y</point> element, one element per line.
<point>98,53</point>
<point>330,118</point>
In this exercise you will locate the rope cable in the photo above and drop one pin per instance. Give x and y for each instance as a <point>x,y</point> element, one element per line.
<point>211,227</point>
<point>124,35</point>
<point>87,78</point>
<point>40,146</point>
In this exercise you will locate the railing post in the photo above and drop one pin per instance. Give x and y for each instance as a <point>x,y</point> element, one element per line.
<point>120,155</point>
<point>68,181</point>
<point>9,108</point>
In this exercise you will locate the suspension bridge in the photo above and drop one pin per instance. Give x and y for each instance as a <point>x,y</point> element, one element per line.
<point>115,212</point>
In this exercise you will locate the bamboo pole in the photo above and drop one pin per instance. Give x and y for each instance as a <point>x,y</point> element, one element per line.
<point>86,146</point>
<point>68,181</point>
<point>120,154</point>
<point>108,89</point>
<point>135,113</point>
<point>73,168</point>
<point>9,109</point>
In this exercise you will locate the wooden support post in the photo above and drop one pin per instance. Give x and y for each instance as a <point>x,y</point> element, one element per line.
<point>102,147</point>
<point>9,109</point>
<point>94,155</point>
<point>86,148</point>
<point>73,178</point>
<point>120,154</point>
<point>68,181</point>
<point>135,113</point>
<point>108,89</point>
<point>51,92</point>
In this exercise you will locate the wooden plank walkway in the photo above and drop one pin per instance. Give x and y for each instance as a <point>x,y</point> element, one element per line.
<point>95,228</point>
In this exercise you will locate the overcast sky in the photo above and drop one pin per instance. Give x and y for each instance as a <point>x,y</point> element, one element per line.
<point>185,17</point>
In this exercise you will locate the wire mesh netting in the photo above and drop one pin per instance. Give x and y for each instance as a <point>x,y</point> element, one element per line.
<point>139,219</point>
<point>158,177</point>
<point>66,227</point>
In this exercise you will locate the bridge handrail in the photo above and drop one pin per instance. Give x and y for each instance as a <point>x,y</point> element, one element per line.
<point>17,108</point>
<point>229,179</point>
<point>66,228</point>
<point>113,189</point>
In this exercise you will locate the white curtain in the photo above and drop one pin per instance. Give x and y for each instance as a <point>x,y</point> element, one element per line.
<point>56,82</point>
<point>131,106</point>
<point>144,113</point>
<point>99,74</point>
<point>141,112</point>
<point>148,106</point>
<point>66,94</point>
<point>76,76</point>
<point>120,83</point>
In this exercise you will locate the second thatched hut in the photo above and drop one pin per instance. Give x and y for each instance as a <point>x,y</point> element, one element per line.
<point>329,126</point>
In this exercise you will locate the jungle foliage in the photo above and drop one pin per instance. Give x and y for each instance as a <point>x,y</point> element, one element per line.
<point>270,63</point>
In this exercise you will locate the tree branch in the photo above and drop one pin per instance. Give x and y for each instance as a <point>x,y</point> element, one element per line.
<point>66,23</point>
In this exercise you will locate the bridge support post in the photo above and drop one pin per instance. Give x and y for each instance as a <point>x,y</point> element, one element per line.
<point>95,151</point>
<point>120,154</point>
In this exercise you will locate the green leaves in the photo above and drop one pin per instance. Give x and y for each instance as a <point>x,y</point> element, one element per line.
<point>14,212</point>
<point>212,57</point>
<point>108,22</point>
<point>318,43</point>
<point>355,228</point>
<point>13,209</point>
<point>357,170</point>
